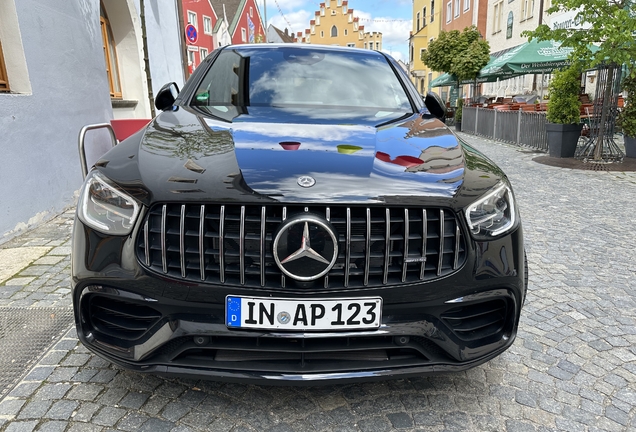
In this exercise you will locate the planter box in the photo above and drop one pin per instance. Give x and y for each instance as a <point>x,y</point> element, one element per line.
<point>458,126</point>
<point>630,146</point>
<point>562,139</point>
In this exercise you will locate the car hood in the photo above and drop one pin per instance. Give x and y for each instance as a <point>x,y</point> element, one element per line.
<point>222,155</point>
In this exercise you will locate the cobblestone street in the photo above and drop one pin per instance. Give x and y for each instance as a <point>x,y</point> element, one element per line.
<point>572,366</point>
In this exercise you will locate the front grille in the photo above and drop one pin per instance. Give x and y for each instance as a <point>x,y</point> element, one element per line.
<point>477,321</point>
<point>121,319</point>
<point>232,244</point>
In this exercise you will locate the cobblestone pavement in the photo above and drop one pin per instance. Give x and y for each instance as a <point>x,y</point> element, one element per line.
<point>572,367</point>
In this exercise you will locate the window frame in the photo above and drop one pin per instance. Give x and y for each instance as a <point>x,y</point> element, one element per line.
<point>196,19</point>
<point>333,27</point>
<point>466,5</point>
<point>4,78</point>
<point>243,34</point>
<point>424,17</point>
<point>109,50</point>
<point>418,22</point>
<point>201,53</point>
<point>457,8</point>
<point>207,29</point>
<point>432,10</point>
<point>449,11</point>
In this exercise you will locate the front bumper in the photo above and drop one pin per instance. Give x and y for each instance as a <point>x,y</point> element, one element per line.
<point>154,324</point>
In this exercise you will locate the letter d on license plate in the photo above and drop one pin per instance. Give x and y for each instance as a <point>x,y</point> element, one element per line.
<point>315,314</point>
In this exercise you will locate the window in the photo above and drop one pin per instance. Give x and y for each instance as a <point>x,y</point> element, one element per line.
<point>432,10</point>
<point>497,17</point>
<point>334,31</point>
<point>364,81</point>
<point>243,35</point>
<point>424,17</point>
<point>466,5</point>
<point>322,34</point>
<point>344,9</point>
<point>418,21</point>
<point>449,11</point>
<point>527,7</point>
<point>203,53</point>
<point>207,25</point>
<point>4,81</point>
<point>346,32</point>
<point>251,12</point>
<point>322,10</point>
<point>457,8</point>
<point>339,3</point>
<point>411,53</point>
<point>422,51</point>
<point>192,19</point>
<point>110,56</point>
<point>333,12</point>
<point>191,61</point>
<point>422,86</point>
<point>370,45</point>
<point>351,45</point>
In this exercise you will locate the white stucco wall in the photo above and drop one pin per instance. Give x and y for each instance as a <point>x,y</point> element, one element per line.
<point>39,167</point>
<point>164,48</point>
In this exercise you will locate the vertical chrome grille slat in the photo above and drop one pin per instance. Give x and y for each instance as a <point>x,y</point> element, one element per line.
<point>328,216</point>
<point>222,245</point>
<point>347,249</point>
<point>242,246</point>
<point>457,235</point>
<point>164,258</point>
<point>282,276</point>
<point>424,234</point>
<point>182,240</point>
<point>441,242</point>
<point>262,254</point>
<point>367,249</point>
<point>202,242</point>
<point>406,244</point>
<point>387,247</point>
<point>147,243</point>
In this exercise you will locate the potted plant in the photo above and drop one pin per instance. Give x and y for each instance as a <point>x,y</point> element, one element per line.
<point>627,117</point>
<point>458,115</point>
<point>564,112</point>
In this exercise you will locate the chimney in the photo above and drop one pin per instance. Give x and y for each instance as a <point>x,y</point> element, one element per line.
<point>286,32</point>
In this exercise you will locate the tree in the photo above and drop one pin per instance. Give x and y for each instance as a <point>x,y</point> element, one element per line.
<point>461,54</point>
<point>612,26</point>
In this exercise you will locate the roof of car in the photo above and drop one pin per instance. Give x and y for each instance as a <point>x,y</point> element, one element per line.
<point>313,47</point>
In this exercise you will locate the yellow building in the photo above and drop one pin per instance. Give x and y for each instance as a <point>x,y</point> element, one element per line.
<point>335,24</point>
<point>427,23</point>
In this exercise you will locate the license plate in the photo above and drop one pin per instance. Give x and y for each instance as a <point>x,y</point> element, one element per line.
<point>315,314</point>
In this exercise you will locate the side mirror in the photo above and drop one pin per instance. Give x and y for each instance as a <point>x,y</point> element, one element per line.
<point>166,96</point>
<point>435,105</point>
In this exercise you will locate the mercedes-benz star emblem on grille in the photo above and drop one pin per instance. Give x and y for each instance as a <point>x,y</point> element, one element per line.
<point>306,181</point>
<point>305,247</point>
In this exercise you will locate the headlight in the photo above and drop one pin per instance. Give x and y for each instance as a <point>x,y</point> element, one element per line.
<point>105,208</point>
<point>493,214</point>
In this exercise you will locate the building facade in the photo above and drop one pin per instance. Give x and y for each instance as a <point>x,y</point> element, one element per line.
<point>243,18</point>
<point>336,24</point>
<point>209,31</point>
<point>48,92</point>
<point>504,25</point>
<point>459,14</point>
<point>427,19</point>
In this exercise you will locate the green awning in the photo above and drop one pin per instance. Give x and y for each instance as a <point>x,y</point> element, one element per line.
<point>450,80</point>
<point>529,58</point>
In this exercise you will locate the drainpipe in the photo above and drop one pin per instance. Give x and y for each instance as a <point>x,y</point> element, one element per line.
<point>184,54</point>
<point>144,39</point>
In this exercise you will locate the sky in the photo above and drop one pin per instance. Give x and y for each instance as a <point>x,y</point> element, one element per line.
<point>372,13</point>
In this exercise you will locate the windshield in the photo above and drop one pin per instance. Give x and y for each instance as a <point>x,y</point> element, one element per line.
<point>285,77</point>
